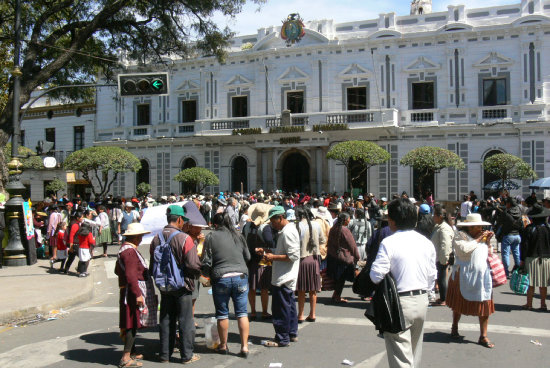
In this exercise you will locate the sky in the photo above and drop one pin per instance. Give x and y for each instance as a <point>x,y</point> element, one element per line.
<point>341,11</point>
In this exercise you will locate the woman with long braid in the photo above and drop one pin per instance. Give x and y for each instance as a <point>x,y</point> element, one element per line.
<point>309,275</point>
<point>342,255</point>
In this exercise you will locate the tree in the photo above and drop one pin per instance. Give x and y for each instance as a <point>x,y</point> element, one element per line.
<point>199,177</point>
<point>429,161</point>
<point>102,165</point>
<point>507,166</point>
<point>73,41</point>
<point>142,189</point>
<point>55,186</point>
<point>367,154</point>
<point>29,158</point>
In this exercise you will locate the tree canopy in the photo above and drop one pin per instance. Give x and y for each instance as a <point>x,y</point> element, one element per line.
<point>507,166</point>
<point>429,161</point>
<point>198,177</point>
<point>100,166</point>
<point>366,154</point>
<point>29,158</point>
<point>56,185</point>
<point>73,41</point>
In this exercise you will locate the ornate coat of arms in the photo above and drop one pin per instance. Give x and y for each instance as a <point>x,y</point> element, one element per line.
<point>293,29</point>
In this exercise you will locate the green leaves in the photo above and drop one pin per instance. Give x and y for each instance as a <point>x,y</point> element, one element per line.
<point>29,158</point>
<point>432,159</point>
<point>142,189</point>
<point>197,176</point>
<point>56,185</point>
<point>507,166</point>
<point>368,153</point>
<point>96,163</point>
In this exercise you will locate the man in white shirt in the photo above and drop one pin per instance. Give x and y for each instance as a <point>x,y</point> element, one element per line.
<point>286,264</point>
<point>410,258</point>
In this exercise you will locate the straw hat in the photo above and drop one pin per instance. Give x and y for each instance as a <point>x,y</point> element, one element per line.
<point>259,213</point>
<point>473,219</point>
<point>135,229</point>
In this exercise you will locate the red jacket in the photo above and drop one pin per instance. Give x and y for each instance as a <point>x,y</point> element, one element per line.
<point>84,241</point>
<point>61,240</point>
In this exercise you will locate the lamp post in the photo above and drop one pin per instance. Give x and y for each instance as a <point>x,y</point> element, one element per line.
<point>14,253</point>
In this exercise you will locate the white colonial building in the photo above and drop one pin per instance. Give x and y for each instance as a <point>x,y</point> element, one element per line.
<point>469,80</point>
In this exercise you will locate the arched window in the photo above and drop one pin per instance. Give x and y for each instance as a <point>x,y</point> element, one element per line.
<point>488,177</point>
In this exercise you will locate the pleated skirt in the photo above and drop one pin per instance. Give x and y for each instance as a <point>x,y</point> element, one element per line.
<point>457,303</point>
<point>309,275</point>
<point>259,277</point>
<point>539,271</point>
<point>104,237</point>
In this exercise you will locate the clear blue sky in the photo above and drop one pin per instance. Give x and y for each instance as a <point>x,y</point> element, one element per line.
<point>274,11</point>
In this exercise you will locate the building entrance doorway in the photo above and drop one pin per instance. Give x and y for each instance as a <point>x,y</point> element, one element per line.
<point>295,173</point>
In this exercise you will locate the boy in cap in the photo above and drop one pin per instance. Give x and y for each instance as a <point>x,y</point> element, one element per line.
<point>177,306</point>
<point>286,263</point>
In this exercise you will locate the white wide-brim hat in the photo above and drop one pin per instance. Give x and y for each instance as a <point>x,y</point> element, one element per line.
<point>473,219</point>
<point>136,229</point>
<point>129,204</point>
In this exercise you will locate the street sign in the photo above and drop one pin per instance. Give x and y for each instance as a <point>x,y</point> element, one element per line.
<point>143,84</point>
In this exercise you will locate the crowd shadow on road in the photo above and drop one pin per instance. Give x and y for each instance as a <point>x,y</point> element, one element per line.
<point>444,338</point>
<point>507,307</point>
<point>352,302</point>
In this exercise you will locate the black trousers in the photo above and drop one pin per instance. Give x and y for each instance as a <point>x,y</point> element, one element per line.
<point>176,307</point>
<point>70,259</point>
<point>442,280</point>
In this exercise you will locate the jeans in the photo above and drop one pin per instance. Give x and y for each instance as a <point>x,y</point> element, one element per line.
<point>176,307</point>
<point>510,242</point>
<point>442,280</point>
<point>285,316</point>
<point>235,288</point>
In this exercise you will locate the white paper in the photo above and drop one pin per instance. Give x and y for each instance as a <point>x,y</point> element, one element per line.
<point>347,362</point>
<point>275,365</point>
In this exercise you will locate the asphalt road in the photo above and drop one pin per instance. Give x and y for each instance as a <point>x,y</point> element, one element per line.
<point>88,336</point>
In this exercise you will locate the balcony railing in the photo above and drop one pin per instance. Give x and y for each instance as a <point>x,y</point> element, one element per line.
<point>231,124</point>
<point>422,116</point>
<point>140,131</point>
<point>359,117</point>
<point>494,113</point>
<point>186,128</point>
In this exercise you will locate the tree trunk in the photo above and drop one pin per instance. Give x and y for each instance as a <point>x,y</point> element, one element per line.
<point>350,181</point>
<point>4,138</point>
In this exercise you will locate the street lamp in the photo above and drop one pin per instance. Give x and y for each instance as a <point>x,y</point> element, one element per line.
<point>14,253</point>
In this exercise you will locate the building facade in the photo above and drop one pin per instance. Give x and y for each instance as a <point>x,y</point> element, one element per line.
<point>470,80</point>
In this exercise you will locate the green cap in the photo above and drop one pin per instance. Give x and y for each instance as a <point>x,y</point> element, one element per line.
<point>275,211</point>
<point>178,211</point>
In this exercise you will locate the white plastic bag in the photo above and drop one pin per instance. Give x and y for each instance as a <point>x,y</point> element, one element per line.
<point>211,333</point>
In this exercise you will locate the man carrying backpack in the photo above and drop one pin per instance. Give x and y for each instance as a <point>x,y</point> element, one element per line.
<point>175,305</point>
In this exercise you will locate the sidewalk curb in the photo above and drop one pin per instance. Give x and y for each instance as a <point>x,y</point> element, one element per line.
<point>82,295</point>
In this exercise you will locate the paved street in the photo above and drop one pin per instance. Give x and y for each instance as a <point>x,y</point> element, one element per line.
<point>88,336</point>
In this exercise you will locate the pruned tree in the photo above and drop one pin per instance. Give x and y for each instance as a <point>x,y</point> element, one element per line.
<point>197,177</point>
<point>100,166</point>
<point>29,158</point>
<point>142,189</point>
<point>55,186</point>
<point>506,166</point>
<point>429,161</point>
<point>364,153</point>
<point>75,41</point>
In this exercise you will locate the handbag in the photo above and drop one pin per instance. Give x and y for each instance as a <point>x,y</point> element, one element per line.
<point>343,256</point>
<point>497,270</point>
<point>519,281</point>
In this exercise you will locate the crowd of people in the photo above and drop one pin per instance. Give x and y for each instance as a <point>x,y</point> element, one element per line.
<point>294,244</point>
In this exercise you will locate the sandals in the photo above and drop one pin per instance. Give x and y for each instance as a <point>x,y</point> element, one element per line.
<point>266,316</point>
<point>130,363</point>
<point>309,319</point>
<point>484,341</point>
<point>193,359</point>
<point>527,307</point>
<point>136,356</point>
<point>222,351</point>
<point>339,300</point>
<point>454,333</point>
<point>274,344</point>
<point>543,308</point>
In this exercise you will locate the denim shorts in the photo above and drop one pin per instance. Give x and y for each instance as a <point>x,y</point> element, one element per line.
<point>235,288</point>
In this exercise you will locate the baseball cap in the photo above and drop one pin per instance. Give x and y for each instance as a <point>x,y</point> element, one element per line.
<point>275,211</point>
<point>424,209</point>
<point>177,211</point>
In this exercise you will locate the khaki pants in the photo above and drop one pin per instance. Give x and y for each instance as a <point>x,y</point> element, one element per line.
<point>405,349</point>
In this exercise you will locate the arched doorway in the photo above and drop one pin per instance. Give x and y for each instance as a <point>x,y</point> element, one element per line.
<point>358,177</point>
<point>295,173</point>
<point>188,163</point>
<point>142,176</point>
<point>488,177</point>
<point>239,174</point>
<point>428,185</point>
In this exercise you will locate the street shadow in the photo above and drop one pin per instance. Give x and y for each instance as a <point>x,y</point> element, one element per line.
<point>444,338</point>
<point>507,307</point>
<point>352,302</point>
